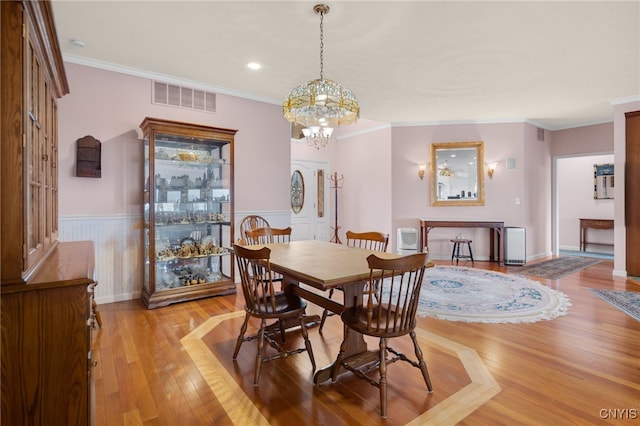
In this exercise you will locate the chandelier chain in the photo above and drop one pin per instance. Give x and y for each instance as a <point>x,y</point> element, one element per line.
<point>321,45</point>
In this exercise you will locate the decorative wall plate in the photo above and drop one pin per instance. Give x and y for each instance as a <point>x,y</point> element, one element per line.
<point>297,191</point>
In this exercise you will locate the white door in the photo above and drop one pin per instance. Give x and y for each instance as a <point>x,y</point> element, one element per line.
<point>310,213</point>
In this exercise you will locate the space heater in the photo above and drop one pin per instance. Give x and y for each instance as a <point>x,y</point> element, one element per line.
<point>514,246</point>
<point>407,242</point>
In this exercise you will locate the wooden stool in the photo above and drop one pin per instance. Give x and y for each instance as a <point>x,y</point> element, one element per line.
<point>455,254</point>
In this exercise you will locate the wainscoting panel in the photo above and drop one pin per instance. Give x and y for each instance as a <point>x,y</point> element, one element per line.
<point>119,252</point>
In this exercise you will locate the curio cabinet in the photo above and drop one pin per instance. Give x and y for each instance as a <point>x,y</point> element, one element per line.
<point>188,212</point>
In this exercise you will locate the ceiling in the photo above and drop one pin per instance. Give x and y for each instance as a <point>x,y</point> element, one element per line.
<point>554,64</point>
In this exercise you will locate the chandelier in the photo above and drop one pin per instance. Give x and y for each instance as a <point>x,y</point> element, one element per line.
<point>446,171</point>
<point>321,104</point>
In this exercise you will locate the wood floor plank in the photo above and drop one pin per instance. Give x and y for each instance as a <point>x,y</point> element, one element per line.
<point>173,365</point>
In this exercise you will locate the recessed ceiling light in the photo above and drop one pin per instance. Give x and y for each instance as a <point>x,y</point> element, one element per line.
<point>254,65</point>
<point>77,43</point>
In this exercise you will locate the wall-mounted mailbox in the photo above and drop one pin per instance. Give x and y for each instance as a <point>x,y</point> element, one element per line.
<point>88,157</point>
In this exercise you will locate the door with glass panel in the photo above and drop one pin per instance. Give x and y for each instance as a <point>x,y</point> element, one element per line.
<point>309,193</point>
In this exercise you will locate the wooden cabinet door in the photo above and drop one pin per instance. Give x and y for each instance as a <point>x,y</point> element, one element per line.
<point>632,193</point>
<point>40,152</point>
<point>31,80</point>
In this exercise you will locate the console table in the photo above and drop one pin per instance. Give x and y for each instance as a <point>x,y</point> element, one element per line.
<point>593,224</point>
<point>495,227</point>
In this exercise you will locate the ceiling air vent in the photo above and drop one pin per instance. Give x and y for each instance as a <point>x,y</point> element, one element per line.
<point>183,97</point>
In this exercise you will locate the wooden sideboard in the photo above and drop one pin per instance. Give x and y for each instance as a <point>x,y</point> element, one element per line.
<point>495,228</point>
<point>593,224</point>
<point>46,341</point>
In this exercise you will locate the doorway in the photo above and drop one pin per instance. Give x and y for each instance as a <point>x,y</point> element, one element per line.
<point>575,199</point>
<point>310,210</point>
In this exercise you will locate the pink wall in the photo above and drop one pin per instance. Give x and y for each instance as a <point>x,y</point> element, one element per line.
<point>411,196</point>
<point>110,106</point>
<point>364,202</point>
<point>379,163</point>
<point>382,191</point>
<point>537,192</point>
<point>595,139</point>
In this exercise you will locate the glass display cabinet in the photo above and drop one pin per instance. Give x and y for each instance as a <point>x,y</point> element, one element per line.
<point>188,212</point>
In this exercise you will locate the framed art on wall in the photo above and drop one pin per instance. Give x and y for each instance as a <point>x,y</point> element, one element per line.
<point>603,181</point>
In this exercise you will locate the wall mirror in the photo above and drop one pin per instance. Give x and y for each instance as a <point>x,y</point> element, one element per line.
<point>457,177</point>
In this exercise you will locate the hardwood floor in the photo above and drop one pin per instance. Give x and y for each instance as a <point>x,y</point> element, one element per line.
<point>172,366</point>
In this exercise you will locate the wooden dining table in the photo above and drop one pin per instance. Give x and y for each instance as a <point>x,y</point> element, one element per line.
<point>324,265</point>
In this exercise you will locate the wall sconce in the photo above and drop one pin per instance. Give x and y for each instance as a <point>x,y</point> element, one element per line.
<point>491,169</point>
<point>421,169</point>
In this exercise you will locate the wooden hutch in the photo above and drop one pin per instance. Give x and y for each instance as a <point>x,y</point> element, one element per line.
<point>46,286</point>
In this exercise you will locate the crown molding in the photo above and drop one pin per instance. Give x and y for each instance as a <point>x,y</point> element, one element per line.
<point>107,66</point>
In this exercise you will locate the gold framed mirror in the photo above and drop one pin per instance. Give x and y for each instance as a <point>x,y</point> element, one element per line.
<point>457,177</point>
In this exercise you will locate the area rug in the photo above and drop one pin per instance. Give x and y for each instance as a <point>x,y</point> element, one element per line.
<point>627,301</point>
<point>475,295</point>
<point>605,256</point>
<point>555,268</point>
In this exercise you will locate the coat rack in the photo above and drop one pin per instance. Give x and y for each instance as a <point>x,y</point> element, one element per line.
<point>336,182</point>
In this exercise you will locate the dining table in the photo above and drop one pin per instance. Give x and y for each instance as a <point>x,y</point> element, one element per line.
<point>324,265</point>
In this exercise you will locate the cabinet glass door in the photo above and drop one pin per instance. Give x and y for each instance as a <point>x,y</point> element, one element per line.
<point>188,216</point>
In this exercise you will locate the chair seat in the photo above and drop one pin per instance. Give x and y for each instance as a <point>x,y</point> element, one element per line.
<point>285,303</point>
<point>356,318</point>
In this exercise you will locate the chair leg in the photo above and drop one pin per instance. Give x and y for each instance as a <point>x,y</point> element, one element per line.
<point>282,330</point>
<point>383,377</point>
<point>457,254</point>
<point>243,330</point>
<point>421,363</point>
<point>470,254</point>
<point>307,343</point>
<point>261,339</point>
<point>325,313</point>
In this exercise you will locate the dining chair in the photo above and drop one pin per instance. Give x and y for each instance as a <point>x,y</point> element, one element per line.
<point>268,235</point>
<point>251,222</point>
<point>263,302</point>
<point>388,312</point>
<point>370,240</point>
